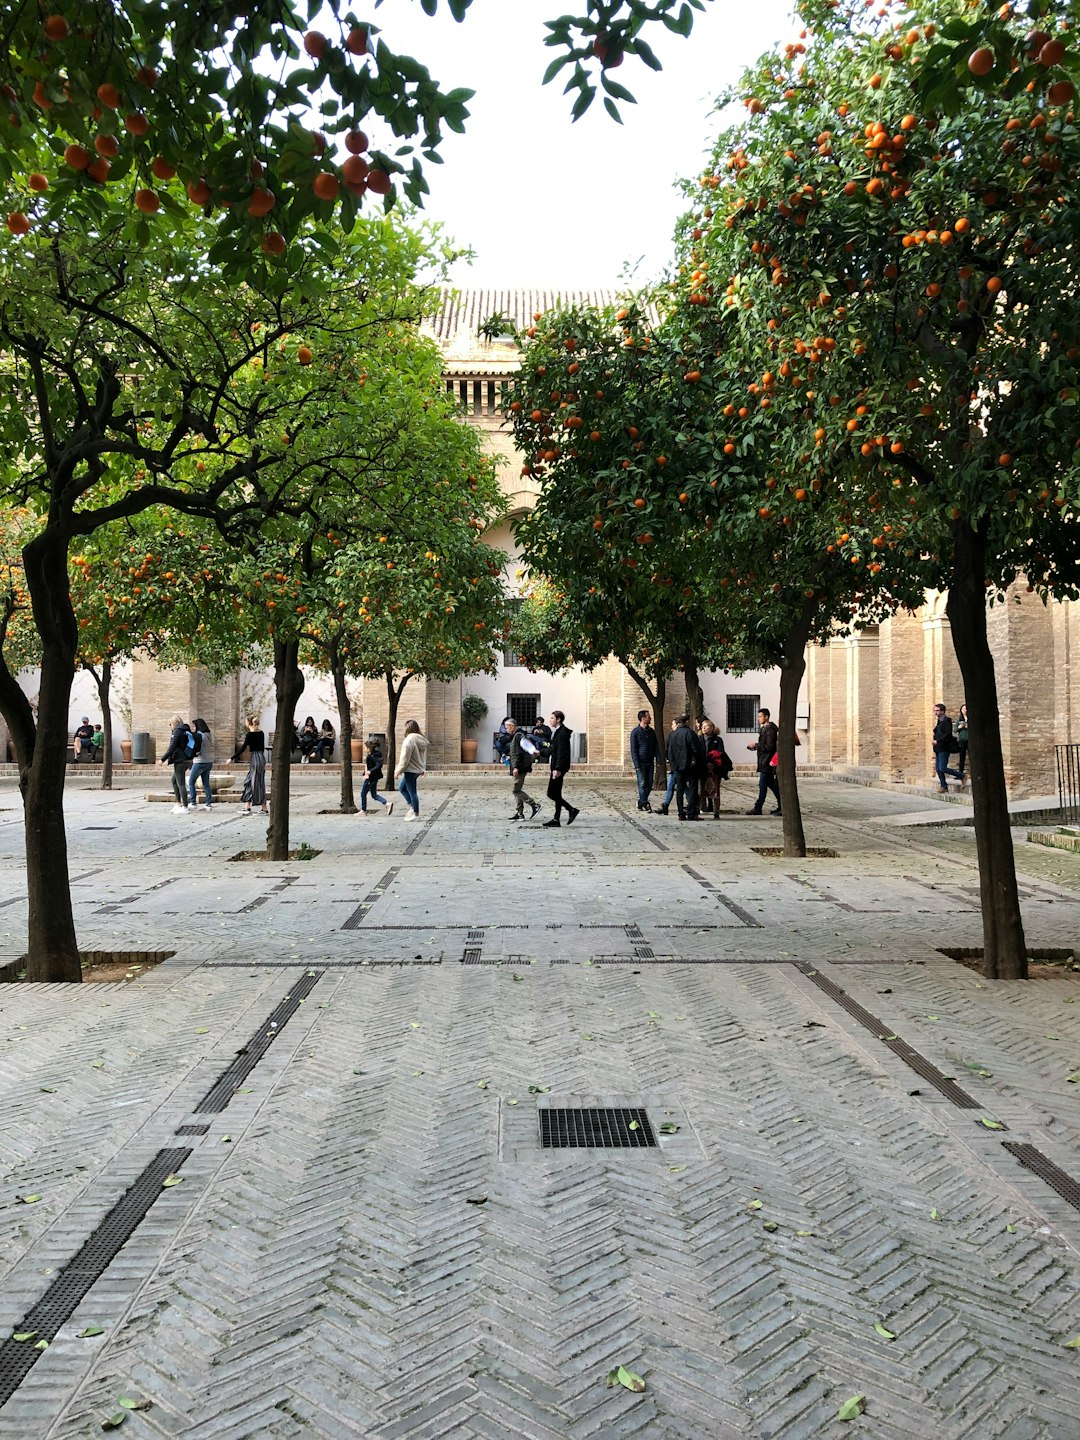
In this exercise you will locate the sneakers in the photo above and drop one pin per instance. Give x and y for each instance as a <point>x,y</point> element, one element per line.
<point>517,817</point>
<point>777,811</point>
<point>412,815</point>
<point>389,807</point>
<point>573,816</point>
<point>753,812</point>
<point>179,809</point>
<point>551,825</point>
<point>535,812</point>
<point>304,759</point>
<point>647,807</point>
<point>246,811</point>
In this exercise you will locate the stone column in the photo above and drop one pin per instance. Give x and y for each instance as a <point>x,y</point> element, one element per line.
<point>818,685</point>
<point>1021,633</point>
<point>905,720</point>
<point>864,700</point>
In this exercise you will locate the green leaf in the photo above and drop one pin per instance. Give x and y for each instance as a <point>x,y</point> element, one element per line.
<point>171,1180</point>
<point>934,1215</point>
<point>129,1404</point>
<point>114,1421</point>
<point>97,1064</point>
<point>754,1205</point>
<point>89,1332</point>
<point>27,1199</point>
<point>42,1345</point>
<point>676,1169</point>
<point>770,1225</point>
<point>22,1335</point>
<point>852,1409</point>
<point>633,1125</point>
<point>483,1084</point>
<point>539,1089</point>
<point>1073,1344</point>
<point>1010,1229</point>
<point>885,1334</point>
<point>992,1124</point>
<point>621,1376</point>
<point>669,1128</point>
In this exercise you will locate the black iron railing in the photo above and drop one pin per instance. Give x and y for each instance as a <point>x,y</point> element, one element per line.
<point>1068,778</point>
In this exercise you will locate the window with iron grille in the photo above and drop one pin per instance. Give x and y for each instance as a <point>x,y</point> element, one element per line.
<point>742,711</point>
<point>523,709</point>
<point>510,656</point>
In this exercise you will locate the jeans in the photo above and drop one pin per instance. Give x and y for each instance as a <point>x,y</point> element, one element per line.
<point>200,771</point>
<point>407,786</point>
<point>943,768</point>
<point>520,797</point>
<point>644,785</point>
<point>686,793</point>
<point>767,781</point>
<point>369,789</point>
<point>179,782</point>
<point>670,791</point>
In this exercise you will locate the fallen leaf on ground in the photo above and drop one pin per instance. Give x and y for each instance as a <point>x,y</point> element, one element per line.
<point>852,1409</point>
<point>885,1334</point>
<point>621,1376</point>
<point>89,1332</point>
<point>171,1180</point>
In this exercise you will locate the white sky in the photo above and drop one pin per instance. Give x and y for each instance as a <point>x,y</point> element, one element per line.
<point>544,202</point>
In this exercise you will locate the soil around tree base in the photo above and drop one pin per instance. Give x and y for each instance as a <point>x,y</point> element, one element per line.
<point>99,965</point>
<point>1042,963</point>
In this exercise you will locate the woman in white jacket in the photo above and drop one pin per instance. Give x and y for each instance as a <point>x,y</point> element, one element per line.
<point>412,763</point>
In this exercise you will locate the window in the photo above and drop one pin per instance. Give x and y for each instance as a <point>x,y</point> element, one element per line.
<point>511,657</point>
<point>742,712</point>
<point>523,708</point>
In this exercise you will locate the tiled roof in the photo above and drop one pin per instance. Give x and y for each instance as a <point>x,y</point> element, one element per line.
<point>460,312</point>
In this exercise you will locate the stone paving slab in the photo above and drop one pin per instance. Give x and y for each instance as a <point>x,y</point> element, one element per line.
<point>368,1240</point>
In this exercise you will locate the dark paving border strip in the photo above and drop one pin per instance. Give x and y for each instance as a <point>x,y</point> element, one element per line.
<point>224,1087</point>
<point>652,839</point>
<point>381,886</point>
<point>290,964</point>
<point>474,948</point>
<point>1040,1165</point>
<point>919,1063</point>
<point>736,910</point>
<point>416,841</point>
<point>85,1268</point>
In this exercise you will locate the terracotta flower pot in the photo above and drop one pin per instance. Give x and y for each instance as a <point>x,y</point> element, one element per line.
<point>468,752</point>
<point>125,751</point>
<point>356,749</point>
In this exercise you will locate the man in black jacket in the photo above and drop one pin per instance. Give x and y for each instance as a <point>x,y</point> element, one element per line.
<point>944,745</point>
<point>644,750</point>
<point>765,745</point>
<point>560,764</point>
<point>683,756</point>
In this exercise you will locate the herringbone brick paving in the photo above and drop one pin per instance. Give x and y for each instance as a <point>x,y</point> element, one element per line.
<point>369,1240</point>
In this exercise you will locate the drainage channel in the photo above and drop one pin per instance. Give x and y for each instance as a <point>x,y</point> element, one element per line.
<point>1028,1155</point>
<point>44,1319</point>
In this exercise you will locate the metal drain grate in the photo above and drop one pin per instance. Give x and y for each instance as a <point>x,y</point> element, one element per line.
<point>71,1286</point>
<point>192,1130</point>
<point>1035,1161</point>
<point>595,1128</point>
<point>223,1089</point>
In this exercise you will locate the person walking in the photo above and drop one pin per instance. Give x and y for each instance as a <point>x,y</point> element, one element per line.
<point>962,739</point>
<point>201,765</point>
<point>715,769</point>
<point>644,753</point>
<point>373,773</point>
<point>412,763</point>
<point>521,764</point>
<point>254,742</point>
<point>945,744</point>
<point>560,764</point>
<point>669,793</point>
<point>682,758</point>
<point>178,755</point>
<point>765,745</point>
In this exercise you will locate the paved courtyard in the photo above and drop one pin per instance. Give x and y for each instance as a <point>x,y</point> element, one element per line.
<point>290,1182</point>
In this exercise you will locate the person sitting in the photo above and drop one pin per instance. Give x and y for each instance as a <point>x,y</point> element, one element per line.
<point>83,739</point>
<point>502,742</point>
<point>309,738</point>
<point>97,741</point>
<point>324,746</point>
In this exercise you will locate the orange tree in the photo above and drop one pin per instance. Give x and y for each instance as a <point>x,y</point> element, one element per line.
<point>892,232</point>
<point>138,379</point>
<point>178,107</point>
<point>665,484</point>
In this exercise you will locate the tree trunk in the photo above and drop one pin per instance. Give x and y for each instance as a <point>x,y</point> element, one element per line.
<point>345,735</point>
<point>393,696</point>
<point>288,687</point>
<point>52,948</point>
<point>792,669</point>
<point>104,683</point>
<point>695,699</point>
<point>1004,946</point>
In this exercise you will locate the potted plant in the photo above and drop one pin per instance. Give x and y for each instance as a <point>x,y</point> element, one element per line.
<point>122,705</point>
<point>473,712</point>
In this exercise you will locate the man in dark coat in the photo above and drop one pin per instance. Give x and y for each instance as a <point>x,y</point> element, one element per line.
<point>683,759</point>
<point>560,764</point>
<point>765,745</point>
<point>644,751</point>
<point>521,763</point>
<point>944,745</point>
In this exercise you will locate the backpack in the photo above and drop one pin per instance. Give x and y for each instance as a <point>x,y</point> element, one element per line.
<point>192,743</point>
